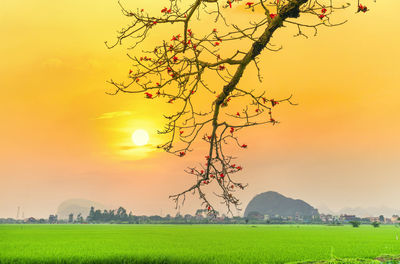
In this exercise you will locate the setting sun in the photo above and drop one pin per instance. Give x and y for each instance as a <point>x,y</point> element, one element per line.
<point>140,137</point>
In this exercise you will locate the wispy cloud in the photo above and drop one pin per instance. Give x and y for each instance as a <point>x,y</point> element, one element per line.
<point>110,115</point>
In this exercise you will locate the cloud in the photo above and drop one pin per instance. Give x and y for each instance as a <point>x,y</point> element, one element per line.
<point>110,115</point>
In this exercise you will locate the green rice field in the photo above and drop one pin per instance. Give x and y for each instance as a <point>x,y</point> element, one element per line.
<point>196,243</point>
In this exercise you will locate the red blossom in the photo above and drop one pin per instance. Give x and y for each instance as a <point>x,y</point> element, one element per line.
<point>214,30</point>
<point>272,120</point>
<point>216,44</point>
<point>209,137</point>
<point>137,79</point>
<point>232,129</point>
<point>164,10</point>
<point>232,186</point>
<point>180,132</point>
<point>272,16</point>
<point>273,102</point>
<point>321,16</point>
<point>154,22</point>
<point>244,146</point>
<point>208,208</point>
<point>237,114</point>
<point>181,154</point>
<point>149,95</point>
<point>221,67</point>
<point>175,59</point>
<point>201,172</point>
<point>130,71</point>
<point>257,110</point>
<point>362,8</point>
<point>222,175</point>
<point>323,10</point>
<point>207,157</point>
<point>239,168</point>
<point>249,4</point>
<point>233,165</point>
<point>230,3</point>
<point>158,84</point>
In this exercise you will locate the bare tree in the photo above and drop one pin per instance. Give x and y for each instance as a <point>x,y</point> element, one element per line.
<point>177,69</point>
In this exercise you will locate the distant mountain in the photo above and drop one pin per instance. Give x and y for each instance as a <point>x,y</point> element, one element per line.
<point>77,206</point>
<point>273,203</point>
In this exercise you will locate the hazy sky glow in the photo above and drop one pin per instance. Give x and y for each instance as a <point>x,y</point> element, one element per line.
<point>62,137</point>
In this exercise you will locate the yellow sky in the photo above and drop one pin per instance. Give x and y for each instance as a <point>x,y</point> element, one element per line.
<point>339,146</point>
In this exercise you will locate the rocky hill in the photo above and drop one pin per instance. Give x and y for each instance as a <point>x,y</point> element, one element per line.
<point>273,203</point>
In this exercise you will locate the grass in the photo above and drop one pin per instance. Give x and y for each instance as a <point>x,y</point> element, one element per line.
<point>195,244</point>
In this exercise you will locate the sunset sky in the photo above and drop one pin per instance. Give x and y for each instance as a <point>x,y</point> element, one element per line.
<point>63,137</point>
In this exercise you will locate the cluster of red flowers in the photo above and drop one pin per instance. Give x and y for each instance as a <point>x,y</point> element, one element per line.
<point>237,167</point>
<point>273,102</point>
<point>165,10</point>
<point>362,8</point>
<point>145,58</point>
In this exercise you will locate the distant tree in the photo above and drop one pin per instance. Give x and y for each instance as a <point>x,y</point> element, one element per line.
<point>381,218</point>
<point>199,60</point>
<point>90,217</point>
<point>79,218</point>
<point>355,223</point>
<point>53,219</point>
<point>71,218</point>
<point>375,224</point>
<point>121,214</point>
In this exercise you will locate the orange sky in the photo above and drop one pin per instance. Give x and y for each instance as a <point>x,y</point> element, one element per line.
<point>339,147</point>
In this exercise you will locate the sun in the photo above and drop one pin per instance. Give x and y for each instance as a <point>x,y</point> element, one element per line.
<point>140,137</point>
